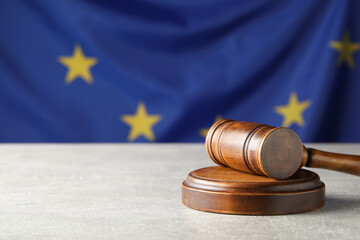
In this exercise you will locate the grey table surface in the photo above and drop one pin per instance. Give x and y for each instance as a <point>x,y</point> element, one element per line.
<point>133,191</point>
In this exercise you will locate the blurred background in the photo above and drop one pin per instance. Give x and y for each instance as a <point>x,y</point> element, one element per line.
<point>165,71</point>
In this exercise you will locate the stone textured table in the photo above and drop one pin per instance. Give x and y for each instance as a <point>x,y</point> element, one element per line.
<point>133,191</point>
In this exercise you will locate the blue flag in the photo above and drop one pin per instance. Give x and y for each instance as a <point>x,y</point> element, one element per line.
<point>164,71</point>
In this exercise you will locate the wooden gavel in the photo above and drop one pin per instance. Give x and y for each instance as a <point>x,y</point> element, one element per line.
<point>275,152</point>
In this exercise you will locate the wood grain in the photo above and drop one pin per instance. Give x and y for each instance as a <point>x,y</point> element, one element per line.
<point>333,161</point>
<point>224,190</point>
<point>255,148</point>
<point>276,152</point>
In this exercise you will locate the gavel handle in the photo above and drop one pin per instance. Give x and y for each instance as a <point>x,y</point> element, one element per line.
<point>333,161</point>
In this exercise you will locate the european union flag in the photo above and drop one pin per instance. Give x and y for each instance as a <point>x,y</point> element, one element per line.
<point>164,71</point>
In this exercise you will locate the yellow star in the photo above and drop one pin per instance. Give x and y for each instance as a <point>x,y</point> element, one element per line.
<point>78,65</point>
<point>293,111</point>
<point>346,49</point>
<point>203,131</point>
<point>141,123</point>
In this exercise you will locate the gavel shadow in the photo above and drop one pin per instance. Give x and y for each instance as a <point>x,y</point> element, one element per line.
<point>339,203</point>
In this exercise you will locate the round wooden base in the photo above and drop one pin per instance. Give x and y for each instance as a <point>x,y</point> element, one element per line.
<point>224,190</point>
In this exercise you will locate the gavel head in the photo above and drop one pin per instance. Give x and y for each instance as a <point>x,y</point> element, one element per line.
<point>260,149</point>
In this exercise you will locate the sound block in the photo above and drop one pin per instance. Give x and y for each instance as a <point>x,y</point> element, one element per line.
<point>224,190</point>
